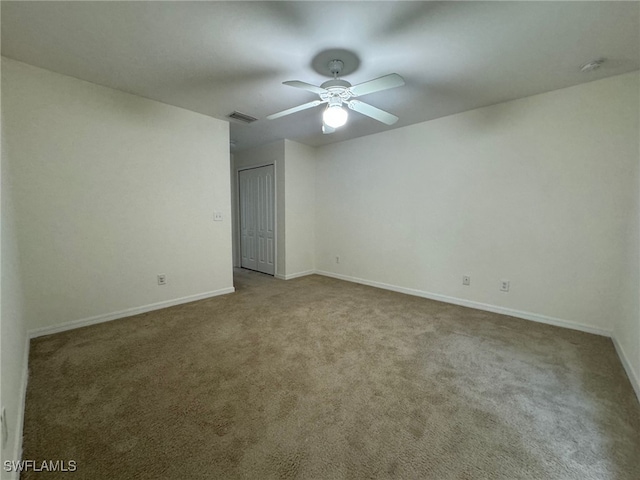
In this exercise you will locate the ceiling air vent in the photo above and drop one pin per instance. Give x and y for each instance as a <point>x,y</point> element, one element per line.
<point>242,117</point>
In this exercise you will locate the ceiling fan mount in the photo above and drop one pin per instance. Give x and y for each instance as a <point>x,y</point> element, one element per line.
<point>322,62</point>
<point>335,67</point>
<point>338,92</point>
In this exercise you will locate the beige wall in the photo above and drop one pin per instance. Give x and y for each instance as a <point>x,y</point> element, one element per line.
<point>538,191</point>
<point>300,198</point>
<point>13,325</point>
<point>110,190</point>
<point>627,329</point>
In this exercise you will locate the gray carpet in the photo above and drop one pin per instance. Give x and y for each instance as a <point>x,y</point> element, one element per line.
<point>317,378</point>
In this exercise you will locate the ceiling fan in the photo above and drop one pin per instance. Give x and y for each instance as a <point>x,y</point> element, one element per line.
<point>337,92</point>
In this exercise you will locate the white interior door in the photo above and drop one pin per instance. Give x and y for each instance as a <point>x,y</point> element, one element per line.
<point>257,219</point>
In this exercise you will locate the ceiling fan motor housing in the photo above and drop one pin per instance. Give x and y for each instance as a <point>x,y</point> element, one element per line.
<point>336,89</point>
<point>337,83</point>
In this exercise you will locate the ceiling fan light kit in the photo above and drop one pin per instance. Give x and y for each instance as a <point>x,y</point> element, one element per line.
<point>337,93</point>
<point>335,116</point>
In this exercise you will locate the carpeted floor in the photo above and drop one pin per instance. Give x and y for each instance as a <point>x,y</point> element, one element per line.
<point>317,378</point>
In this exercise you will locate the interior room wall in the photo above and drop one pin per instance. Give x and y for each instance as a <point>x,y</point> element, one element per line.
<point>538,191</point>
<point>234,192</point>
<point>111,190</point>
<point>300,198</point>
<point>627,329</point>
<point>13,328</point>
<point>272,153</point>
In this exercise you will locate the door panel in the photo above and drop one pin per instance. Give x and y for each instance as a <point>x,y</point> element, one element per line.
<point>257,219</point>
<point>247,229</point>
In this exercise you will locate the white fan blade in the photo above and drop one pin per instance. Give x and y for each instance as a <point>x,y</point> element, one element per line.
<point>383,83</point>
<point>326,129</point>
<point>305,86</point>
<point>289,111</point>
<point>373,112</point>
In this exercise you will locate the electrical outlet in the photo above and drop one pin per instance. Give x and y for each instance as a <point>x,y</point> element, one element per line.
<point>504,285</point>
<point>337,259</point>
<point>466,280</point>
<point>162,279</point>
<point>217,216</point>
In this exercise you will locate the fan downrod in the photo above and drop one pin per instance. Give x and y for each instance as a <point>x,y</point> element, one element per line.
<point>335,67</point>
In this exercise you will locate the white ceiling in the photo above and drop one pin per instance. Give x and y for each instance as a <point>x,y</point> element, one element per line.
<point>217,57</point>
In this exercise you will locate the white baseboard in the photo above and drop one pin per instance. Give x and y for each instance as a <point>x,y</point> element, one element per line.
<point>634,378</point>
<point>84,322</point>
<point>471,304</point>
<point>295,275</point>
